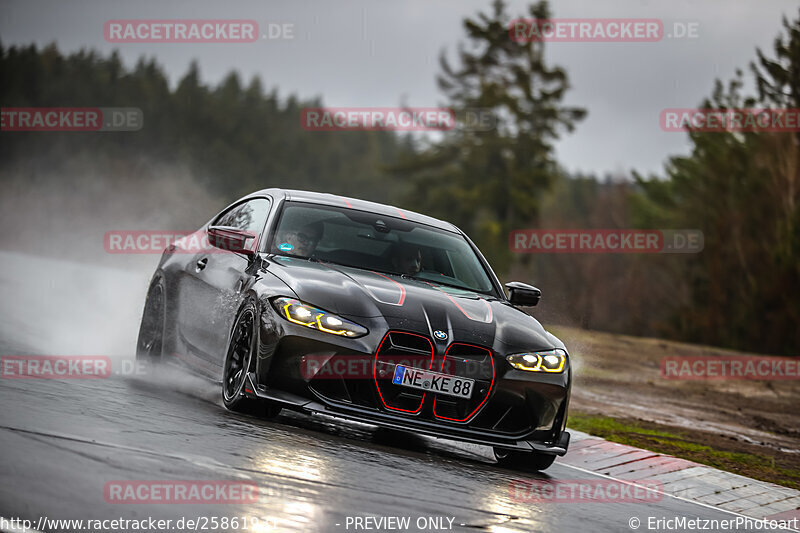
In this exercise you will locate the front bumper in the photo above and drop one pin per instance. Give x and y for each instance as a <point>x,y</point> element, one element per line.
<point>391,421</point>
<point>511,409</point>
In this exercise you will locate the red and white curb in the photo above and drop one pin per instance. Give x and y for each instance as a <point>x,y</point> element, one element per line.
<point>684,479</point>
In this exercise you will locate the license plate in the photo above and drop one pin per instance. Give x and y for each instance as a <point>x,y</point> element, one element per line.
<point>417,378</point>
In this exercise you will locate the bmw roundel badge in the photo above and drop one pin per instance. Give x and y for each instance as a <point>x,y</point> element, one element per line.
<point>439,334</point>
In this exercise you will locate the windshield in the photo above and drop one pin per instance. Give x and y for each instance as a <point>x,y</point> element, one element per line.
<point>375,242</point>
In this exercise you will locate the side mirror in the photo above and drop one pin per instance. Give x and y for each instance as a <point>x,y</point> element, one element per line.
<point>523,294</point>
<point>232,239</point>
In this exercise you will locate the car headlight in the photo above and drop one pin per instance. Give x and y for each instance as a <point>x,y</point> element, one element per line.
<point>547,361</point>
<point>303,314</point>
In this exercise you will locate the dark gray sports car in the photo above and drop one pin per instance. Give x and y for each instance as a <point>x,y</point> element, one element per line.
<point>334,305</point>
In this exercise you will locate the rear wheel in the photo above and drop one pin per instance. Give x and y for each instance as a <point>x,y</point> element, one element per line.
<point>525,461</point>
<point>150,343</point>
<point>238,362</point>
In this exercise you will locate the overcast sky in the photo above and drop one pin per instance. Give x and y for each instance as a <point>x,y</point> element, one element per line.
<point>383,52</point>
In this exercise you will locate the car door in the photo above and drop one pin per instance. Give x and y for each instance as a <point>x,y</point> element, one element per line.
<point>212,283</point>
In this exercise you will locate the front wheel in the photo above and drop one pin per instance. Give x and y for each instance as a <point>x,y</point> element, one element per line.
<point>238,362</point>
<point>149,345</point>
<point>525,461</point>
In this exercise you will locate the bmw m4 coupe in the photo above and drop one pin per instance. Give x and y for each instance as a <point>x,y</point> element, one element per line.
<point>325,304</point>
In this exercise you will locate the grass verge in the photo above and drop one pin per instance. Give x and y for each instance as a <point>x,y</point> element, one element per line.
<point>780,468</point>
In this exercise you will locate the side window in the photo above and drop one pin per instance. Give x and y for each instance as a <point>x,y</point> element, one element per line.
<point>249,216</point>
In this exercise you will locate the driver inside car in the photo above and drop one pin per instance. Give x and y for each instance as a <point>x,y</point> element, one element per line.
<point>407,258</point>
<point>302,241</point>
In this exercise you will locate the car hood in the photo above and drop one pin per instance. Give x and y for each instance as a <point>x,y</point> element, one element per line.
<point>412,305</point>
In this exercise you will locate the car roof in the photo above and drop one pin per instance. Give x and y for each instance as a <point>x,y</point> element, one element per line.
<point>355,203</point>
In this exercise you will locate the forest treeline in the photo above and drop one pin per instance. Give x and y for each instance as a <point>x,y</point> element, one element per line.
<point>742,190</point>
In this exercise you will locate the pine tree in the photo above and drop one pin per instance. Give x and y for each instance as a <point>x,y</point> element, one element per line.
<point>490,182</point>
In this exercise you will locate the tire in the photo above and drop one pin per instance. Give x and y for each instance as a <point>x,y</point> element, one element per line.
<point>239,361</point>
<point>524,461</point>
<point>150,343</point>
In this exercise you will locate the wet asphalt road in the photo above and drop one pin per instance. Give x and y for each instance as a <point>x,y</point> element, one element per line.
<point>63,440</point>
